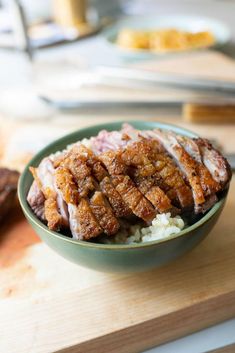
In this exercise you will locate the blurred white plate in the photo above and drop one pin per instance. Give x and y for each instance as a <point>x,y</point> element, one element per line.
<point>180,22</point>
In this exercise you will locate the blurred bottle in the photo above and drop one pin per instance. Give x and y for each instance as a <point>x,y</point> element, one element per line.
<point>70,13</point>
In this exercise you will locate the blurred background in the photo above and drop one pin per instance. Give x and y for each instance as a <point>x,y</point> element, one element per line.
<point>73,63</point>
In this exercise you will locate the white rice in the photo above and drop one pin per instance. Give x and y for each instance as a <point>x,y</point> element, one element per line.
<point>163,225</point>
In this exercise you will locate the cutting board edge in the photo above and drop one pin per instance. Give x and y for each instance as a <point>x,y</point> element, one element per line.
<point>124,341</point>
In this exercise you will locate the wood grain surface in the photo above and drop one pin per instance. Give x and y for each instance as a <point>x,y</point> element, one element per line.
<point>50,305</point>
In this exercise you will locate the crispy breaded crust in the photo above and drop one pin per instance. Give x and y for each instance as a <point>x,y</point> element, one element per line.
<point>104,214</point>
<point>67,186</point>
<point>139,205</point>
<point>54,219</point>
<point>88,225</point>
<point>120,208</point>
<point>153,172</point>
<point>113,162</point>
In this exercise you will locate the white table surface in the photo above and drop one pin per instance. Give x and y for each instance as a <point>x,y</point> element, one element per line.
<point>15,72</point>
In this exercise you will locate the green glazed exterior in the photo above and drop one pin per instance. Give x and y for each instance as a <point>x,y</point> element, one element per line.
<point>120,257</point>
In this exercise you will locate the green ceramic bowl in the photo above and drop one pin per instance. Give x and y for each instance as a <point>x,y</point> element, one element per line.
<point>115,258</point>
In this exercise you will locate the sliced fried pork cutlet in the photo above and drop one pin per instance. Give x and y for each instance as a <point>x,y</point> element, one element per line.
<point>113,162</point>
<point>127,174</point>
<point>83,224</point>
<point>98,170</point>
<point>159,200</point>
<point>185,162</point>
<point>136,155</point>
<point>120,208</point>
<point>162,169</point>
<point>76,162</point>
<point>172,182</point>
<point>36,200</point>
<point>210,201</point>
<point>67,186</point>
<point>136,201</point>
<point>56,210</point>
<point>143,170</point>
<point>209,185</point>
<point>104,214</point>
<point>52,215</point>
<point>93,162</point>
<point>216,164</point>
<point>152,192</point>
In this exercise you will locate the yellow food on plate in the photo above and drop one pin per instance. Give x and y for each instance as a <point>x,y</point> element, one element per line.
<point>164,40</point>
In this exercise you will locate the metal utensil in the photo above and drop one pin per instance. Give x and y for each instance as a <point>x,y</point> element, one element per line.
<point>152,78</point>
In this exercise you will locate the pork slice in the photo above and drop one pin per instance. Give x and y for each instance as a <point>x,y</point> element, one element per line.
<point>209,185</point>
<point>104,214</point>
<point>136,201</point>
<point>136,155</point>
<point>185,162</point>
<point>168,177</point>
<point>36,200</point>
<point>174,185</point>
<point>113,162</point>
<point>76,162</point>
<point>159,200</point>
<point>92,161</point>
<point>210,201</point>
<point>142,155</point>
<point>83,224</point>
<point>98,170</point>
<point>120,208</point>
<point>217,165</point>
<point>45,178</point>
<point>67,186</point>
<point>52,215</point>
<point>108,141</point>
<point>154,194</point>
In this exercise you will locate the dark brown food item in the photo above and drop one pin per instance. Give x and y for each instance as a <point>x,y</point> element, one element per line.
<point>113,162</point>
<point>52,215</point>
<point>81,173</point>
<point>55,209</point>
<point>65,183</point>
<point>172,182</point>
<point>8,186</point>
<point>139,174</point>
<point>139,205</point>
<point>104,214</point>
<point>186,163</point>
<point>216,164</point>
<point>120,208</point>
<point>209,185</point>
<point>164,173</point>
<point>83,223</point>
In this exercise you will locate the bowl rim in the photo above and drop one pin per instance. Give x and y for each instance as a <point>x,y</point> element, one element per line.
<point>110,126</point>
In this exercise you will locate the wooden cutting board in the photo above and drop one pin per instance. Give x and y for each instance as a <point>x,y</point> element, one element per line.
<point>48,304</point>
